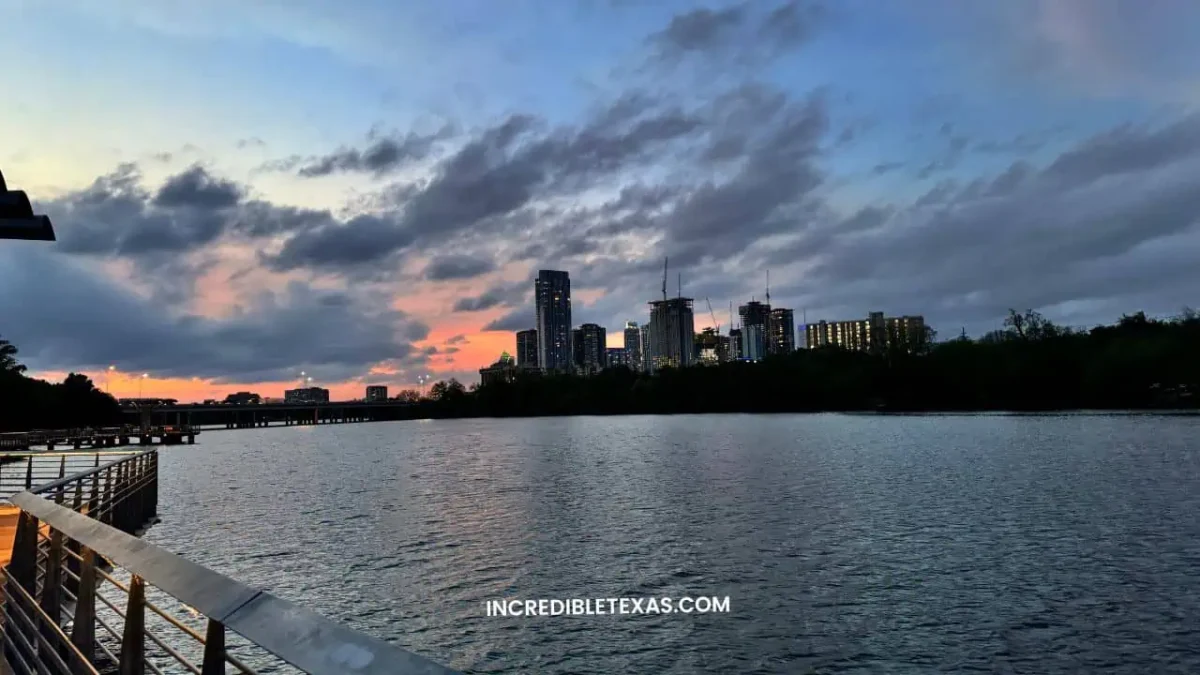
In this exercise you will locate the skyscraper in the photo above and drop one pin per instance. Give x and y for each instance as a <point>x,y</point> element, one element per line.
<point>754,343</point>
<point>647,364</point>
<point>552,293</point>
<point>672,333</point>
<point>527,348</point>
<point>633,345</point>
<point>590,351</point>
<point>781,331</point>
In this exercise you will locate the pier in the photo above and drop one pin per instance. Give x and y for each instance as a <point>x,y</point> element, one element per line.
<point>107,437</point>
<point>232,416</point>
<point>83,595</point>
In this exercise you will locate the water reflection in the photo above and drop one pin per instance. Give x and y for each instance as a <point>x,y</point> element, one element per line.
<point>846,543</point>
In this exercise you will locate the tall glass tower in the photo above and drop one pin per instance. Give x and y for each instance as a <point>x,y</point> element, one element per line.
<point>552,292</point>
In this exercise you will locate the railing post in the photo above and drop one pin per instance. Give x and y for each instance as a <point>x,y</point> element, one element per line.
<point>83,634</point>
<point>154,484</point>
<point>29,474</point>
<point>214,649</point>
<point>133,639</point>
<point>62,467</point>
<point>94,497</point>
<point>23,566</point>
<point>51,602</point>
<point>106,502</point>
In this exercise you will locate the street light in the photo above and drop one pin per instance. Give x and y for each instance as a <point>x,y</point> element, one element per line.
<point>16,217</point>
<point>141,382</point>
<point>108,379</point>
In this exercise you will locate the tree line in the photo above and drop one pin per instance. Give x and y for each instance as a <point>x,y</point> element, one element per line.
<point>1029,365</point>
<point>27,403</point>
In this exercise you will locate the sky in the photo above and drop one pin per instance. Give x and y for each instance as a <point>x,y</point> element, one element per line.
<point>364,190</point>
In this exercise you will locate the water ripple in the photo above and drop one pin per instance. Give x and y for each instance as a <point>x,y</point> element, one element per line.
<point>847,544</point>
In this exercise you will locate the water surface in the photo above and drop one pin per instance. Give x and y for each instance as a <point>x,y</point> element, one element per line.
<point>864,544</point>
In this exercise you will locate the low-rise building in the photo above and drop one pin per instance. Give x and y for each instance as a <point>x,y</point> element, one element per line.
<point>306,395</point>
<point>376,392</point>
<point>504,370</point>
<point>876,334</point>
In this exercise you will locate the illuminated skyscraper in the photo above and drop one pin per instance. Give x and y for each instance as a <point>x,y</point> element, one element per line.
<point>633,345</point>
<point>552,293</point>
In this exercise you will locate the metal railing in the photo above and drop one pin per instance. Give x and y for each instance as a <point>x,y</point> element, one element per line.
<point>21,471</point>
<point>85,596</point>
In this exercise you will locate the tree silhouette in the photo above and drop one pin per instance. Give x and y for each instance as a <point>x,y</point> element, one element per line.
<point>8,358</point>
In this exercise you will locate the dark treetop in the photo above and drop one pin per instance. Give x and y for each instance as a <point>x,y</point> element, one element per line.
<point>1030,365</point>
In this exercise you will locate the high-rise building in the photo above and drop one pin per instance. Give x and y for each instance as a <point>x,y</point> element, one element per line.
<point>633,346</point>
<point>590,350</point>
<point>672,333</point>
<point>617,357</point>
<point>876,334</point>
<point>754,344</point>
<point>376,392</point>
<point>527,348</point>
<point>711,347</point>
<point>781,331</point>
<point>647,364</point>
<point>735,344</point>
<point>552,293</point>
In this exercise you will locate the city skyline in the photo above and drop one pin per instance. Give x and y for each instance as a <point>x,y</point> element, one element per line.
<point>332,209</point>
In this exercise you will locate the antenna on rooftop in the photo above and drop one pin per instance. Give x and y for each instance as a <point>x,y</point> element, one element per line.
<point>680,281</point>
<point>768,287</point>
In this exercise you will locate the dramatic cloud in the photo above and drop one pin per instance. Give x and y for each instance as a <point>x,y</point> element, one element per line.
<point>379,157</point>
<point>518,319</point>
<point>458,267</point>
<point>64,315</point>
<point>715,145</point>
<point>740,32</point>
<point>503,295</point>
<point>197,189</point>
<point>1104,224</point>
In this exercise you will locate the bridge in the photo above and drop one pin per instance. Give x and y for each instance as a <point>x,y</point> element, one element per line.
<point>233,416</point>
<point>83,595</point>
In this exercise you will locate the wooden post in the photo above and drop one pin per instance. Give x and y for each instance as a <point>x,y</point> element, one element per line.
<point>214,649</point>
<point>83,634</point>
<point>29,473</point>
<point>133,639</point>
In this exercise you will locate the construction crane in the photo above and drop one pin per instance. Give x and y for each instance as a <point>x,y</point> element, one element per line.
<point>716,325</point>
<point>665,261</point>
<point>768,288</point>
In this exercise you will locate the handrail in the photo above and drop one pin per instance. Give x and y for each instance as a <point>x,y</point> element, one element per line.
<point>298,636</point>
<point>66,480</point>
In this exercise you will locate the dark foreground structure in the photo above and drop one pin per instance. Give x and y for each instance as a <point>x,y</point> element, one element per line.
<point>82,594</point>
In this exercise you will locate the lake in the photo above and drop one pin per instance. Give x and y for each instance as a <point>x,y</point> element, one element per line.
<point>845,543</point>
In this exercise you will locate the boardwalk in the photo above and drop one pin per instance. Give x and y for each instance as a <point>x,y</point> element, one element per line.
<point>83,594</point>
